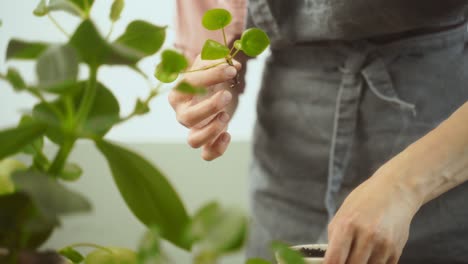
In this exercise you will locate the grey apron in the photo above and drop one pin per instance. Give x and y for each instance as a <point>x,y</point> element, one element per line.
<point>330,114</point>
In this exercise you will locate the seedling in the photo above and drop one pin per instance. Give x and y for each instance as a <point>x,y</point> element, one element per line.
<point>253,42</point>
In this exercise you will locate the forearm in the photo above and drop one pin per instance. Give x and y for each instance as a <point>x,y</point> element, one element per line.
<point>437,162</point>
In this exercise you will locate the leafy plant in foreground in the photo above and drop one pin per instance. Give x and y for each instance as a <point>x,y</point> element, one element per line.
<point>34,196</point>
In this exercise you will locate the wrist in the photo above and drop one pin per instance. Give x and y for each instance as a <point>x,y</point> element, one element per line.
<point>403,174</point>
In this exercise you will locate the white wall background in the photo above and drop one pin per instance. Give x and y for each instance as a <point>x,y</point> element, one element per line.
<point>160,124</point>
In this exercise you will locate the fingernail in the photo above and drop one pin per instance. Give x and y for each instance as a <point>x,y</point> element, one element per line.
<point>224,117</point>
<point>226,97</point>
<point>230,72</point>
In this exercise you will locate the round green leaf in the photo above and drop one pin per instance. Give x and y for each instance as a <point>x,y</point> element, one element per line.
<point>217,18</point>
<point>172,63</point>
<point>57,65</point>
<point>254,41</point>
<point>116,10</point>
<point>238,44</point>
<point>164,76</point>
<point>143,37</point>
<point>213,50</point>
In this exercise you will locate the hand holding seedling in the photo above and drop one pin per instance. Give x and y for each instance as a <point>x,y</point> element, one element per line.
<point>215,69</point>
<point>207,116</point>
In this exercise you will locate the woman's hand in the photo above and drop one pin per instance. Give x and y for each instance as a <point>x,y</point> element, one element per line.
<point>372,225</point>
<point>207,116</point>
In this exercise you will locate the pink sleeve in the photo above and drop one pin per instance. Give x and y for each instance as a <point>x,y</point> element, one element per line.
<point>191,35</point>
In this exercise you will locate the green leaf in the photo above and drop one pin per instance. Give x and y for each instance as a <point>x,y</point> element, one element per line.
<point>22,226</point>
<point>51,197</point>
<point>15,79</point>
<point>164,76</point>
<point>141,108</point>
<point>78,8</point>
<point>7,168</point>
<point>36,144</point>
<point>95,51</point>
<point>58,65</point>
<point>257,261</point>
<point>41,9</point>
<point>218,230</point>
<point>23,50</point>
<point>116,10</point>
<point>150,250</point>
<point>143,37</point>
<point>14,139</point>
<point>71,254</point>
<point>71,172</point>
<point>147,192</point>
<point>185,87</point>
<point>254,41</point>
<point>172,63</point>
<point>238,44</point>
<point>213,50</point>
<point>103,115</point>
<point>217,18</point>
<point>111,255</point>
<point>286,254</point>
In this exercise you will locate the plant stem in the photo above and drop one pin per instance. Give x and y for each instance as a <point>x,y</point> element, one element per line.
<point>224,37</point>
<point>91,245</point>
<point>235,53</point>
<point>69,107</point>
<point>41,98</point>
<point>110,31</point>
<point>61,156</point>
<point>88,97</point>
<point>60,28</point>
<point>152,94</point>
<point>206,67</point>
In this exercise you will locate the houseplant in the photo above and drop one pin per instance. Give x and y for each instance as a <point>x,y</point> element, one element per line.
<point>35,195</point>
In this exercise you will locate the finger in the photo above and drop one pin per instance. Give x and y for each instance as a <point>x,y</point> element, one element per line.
<point>211,152</point>
<point>360,252</point>
<point>212,76</point>
<point>176,99</point>
<point>192,115</point>
<point>339,245</point>
<point>200,137</point>
<point>382,253</point>
<point>393,260</point>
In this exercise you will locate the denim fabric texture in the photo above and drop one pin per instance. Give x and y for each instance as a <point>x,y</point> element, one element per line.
<point>331,113</point>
